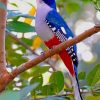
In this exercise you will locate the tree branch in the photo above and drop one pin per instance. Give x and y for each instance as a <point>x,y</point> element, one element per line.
<point>3,71</point>
<point>2,35</point>
<point>20,41</point>
<point>32,51</point>
<point>51,52</point>
<point>55,50</point>
<point>71,94</point>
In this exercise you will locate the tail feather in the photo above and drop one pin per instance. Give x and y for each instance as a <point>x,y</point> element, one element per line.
<point>76,88</point>
<point>73,71</point>
<point>67,61</point>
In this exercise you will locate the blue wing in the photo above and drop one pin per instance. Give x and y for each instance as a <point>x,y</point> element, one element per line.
<point>62,31</point>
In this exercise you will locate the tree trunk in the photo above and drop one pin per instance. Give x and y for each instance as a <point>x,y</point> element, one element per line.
<point>3,71</point>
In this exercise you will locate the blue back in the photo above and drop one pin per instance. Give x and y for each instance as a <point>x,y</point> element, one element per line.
<point>51,3</point>
<point>55,20</point>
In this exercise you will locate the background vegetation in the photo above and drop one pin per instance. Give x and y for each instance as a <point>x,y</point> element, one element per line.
<point>49,80</point>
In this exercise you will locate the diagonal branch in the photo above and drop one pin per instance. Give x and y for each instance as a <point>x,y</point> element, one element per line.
<point>20,41</point>
<point>55,50</point>
<point>28,48</point>
<point>50,53</point>
<point>32,51</point>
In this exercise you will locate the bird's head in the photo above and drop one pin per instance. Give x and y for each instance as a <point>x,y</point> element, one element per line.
<point>50,3</point>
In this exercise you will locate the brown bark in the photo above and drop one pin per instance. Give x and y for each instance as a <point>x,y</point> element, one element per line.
<point>55,50</point>
<point>3,71</point>
<point>47,54</point>
<point>2,36</point>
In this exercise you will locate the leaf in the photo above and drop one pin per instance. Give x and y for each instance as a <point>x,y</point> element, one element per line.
<point>12,57</point>
<point>91,97</point>
<point>14,4</point>
<point>57,78</point>
<point>31,13</point>
<point>94,76</point>
<point>54,98</point>
<point>8,95</point>
<point>27,41</point>
<point>17,26</point>
<point>72,7</point>
<point>87,88</point>
<point>48,89</point>
<point>81,75</point>
<point>38,70</point>
<point>15,13</point>
<point>38,79</point>
<point>23,93</point>
<point>37,42</point>
<point>96,93</point>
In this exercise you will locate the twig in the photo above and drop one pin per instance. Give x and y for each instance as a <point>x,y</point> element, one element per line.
<point>69,94</point>
<point>20,42</point>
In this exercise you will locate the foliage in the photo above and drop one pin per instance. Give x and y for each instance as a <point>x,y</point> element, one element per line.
<point>31,84</point>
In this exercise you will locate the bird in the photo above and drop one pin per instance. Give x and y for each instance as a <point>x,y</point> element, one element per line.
<point>53,30</point>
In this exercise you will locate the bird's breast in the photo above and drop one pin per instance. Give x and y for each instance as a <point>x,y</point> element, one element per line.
<point>41,27</point>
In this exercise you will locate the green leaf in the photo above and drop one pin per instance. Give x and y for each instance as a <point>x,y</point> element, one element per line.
<point>86,1</point>
<point>81,75</point>
<point>57,78</point>
<point>94,76</point>
<point>16,14</point>
<point>72,7</point>
<point>8,95</point>
<point>38,79</point>
<point>91,97</point>
<point>48,89</point>
<point>96,93</point>
<point>35,71</point>
<point>54,98</point>
<point>38,70</point>
<point>27,41</point>
<point>12,57</point>
<point>14,4</point>
<point>17,26</point>
<point>23,93</point>
<point>87,88</point>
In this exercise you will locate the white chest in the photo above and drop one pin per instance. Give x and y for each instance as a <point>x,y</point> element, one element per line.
<point>41,27</point>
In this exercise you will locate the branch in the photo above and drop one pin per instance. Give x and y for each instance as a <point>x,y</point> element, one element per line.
<point>3,71</point>
<point>51,52</point>
<point>2,35</point>
<point>32,51</point>
<point>71,94</point>
<point>28,48</point>
<point>20,41</point>
<point>55,50</point>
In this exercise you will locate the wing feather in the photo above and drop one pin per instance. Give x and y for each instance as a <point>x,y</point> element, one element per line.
<point>59,27</point>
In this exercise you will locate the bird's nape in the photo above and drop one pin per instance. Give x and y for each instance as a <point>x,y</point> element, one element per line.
<point>50,3</point>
